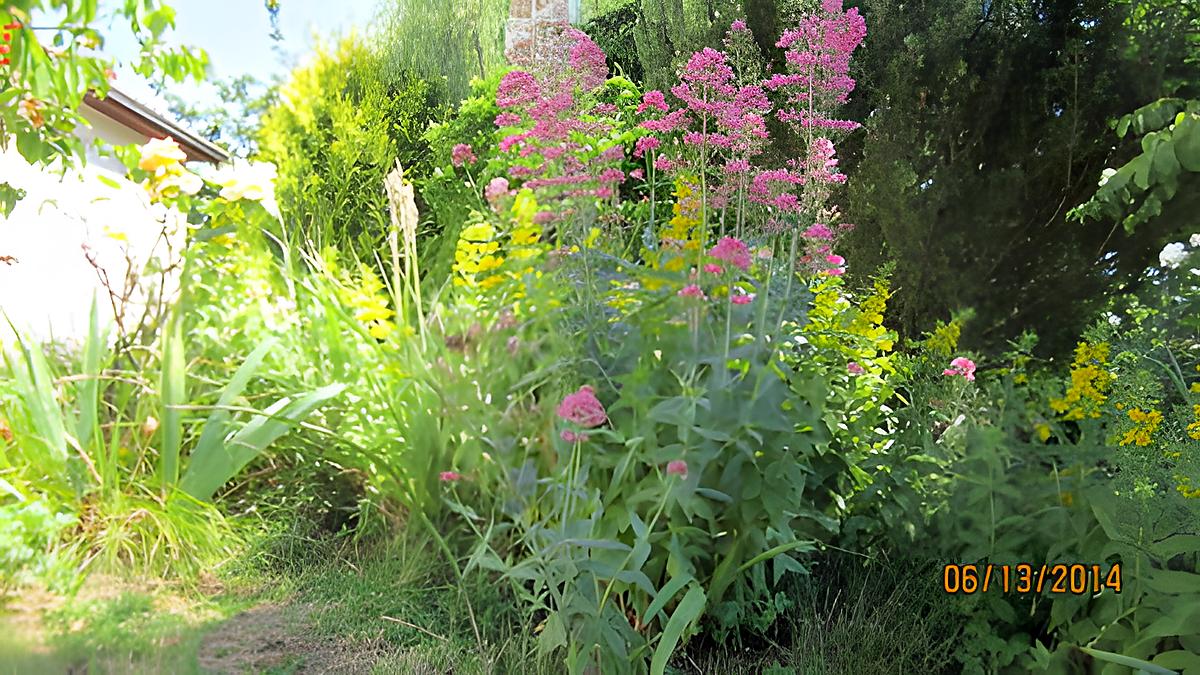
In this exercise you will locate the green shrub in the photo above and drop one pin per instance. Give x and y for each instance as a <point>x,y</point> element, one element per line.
<point>341,125</point>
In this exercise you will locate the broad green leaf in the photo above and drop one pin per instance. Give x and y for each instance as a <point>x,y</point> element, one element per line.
<point>1187,143</point>
<point>686,614</point>
<point>210,470</point>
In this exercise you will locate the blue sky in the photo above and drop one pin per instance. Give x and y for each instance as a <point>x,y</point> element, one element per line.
<point>236,35</point>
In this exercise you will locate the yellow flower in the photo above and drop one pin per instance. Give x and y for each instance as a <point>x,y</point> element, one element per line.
<point>1089,384</point>
<point>160,153</point>
<point>478,232</point>
<point>1043,432</point>
<point>1193,429</point>
<point>380,329</point>
<point>524,236</point>
<point>1146,424</point>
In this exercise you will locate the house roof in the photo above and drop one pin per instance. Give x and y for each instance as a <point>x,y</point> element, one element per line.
<point>124,110</point>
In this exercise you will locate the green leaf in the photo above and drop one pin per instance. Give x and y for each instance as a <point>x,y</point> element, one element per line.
<point>554,634</point>
<point>688,611</point>
<point>664,596</point>
<point>1187,143</point>
<point>9,196</point>
<point>1178,659</point>
<point>211,469</point>
<point>1127,661</point>
<point>173,393</point>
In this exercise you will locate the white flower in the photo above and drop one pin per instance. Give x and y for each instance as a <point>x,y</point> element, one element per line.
<point>1114,320</point>
<point>1172,255</point>
<point>1196,271</point>
<point>1195,240</point>
<point>254,181</point>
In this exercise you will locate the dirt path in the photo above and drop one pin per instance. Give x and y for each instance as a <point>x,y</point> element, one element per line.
<point>274,636</point>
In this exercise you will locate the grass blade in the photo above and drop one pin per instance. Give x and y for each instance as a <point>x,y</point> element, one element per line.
<point>688,611</point>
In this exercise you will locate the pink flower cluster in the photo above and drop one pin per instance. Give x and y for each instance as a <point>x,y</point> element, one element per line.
<point>462,154</point>
<point>961,366</point>
<point>582,409</point>
<point>543,117</point>
<point>732,251</point>
<point>818,55</point>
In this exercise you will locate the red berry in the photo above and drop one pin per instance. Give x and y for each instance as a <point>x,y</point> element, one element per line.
<point>4,61</point>
<point>16,25</point>
<point>7,37</point>
<point>4,49</point>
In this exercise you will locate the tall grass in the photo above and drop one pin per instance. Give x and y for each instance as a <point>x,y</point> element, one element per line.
<point>87,438</point>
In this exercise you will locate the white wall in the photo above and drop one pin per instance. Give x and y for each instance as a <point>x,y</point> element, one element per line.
<point>48,292</point>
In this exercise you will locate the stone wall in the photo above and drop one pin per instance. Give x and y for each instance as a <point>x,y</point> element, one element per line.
<point>528,20</point>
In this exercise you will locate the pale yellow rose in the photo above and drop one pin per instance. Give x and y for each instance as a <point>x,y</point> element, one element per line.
<point>160,154</point>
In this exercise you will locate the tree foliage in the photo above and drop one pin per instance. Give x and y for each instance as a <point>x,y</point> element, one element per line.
<point>986,125</point>
<point>454,42</point>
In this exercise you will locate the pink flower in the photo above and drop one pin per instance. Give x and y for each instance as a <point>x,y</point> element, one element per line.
<point>496,189</point>
<point>449,476</point>
<point>714,269</point>
<point>835,271</point>
<point>737,26</point>
<point>835,260</point>
<point>818,231</point>
<point>581,408</point>
<point>733,251</point>
<point>508,119</point>
<point>855,369</point>
<point>645,143</point>
<point>677,467</point>
<point>653,99</point>
<point>692,291</point>
<point>462,154</point>
<point>961,366</point>
<point>637,174</point>
<point>570,436</point>
<point>742,298</point>
<point>517,88</point>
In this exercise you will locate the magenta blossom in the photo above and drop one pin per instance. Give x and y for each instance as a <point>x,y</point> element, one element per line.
<point>714,269</point>
<point>835,260</point>
<point>818,231</point>
<point>742,298</point>
<point>733,251</point>
<point>692,291</point>
<point>462,154</point>
<point>677,467</point>
<point>449,476</point>
<point>855,369</point>
<point>961,366</point>
<point>508,119</point>
<point>583,409</point>
<point>653,99</point>
<point>644,144</point>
